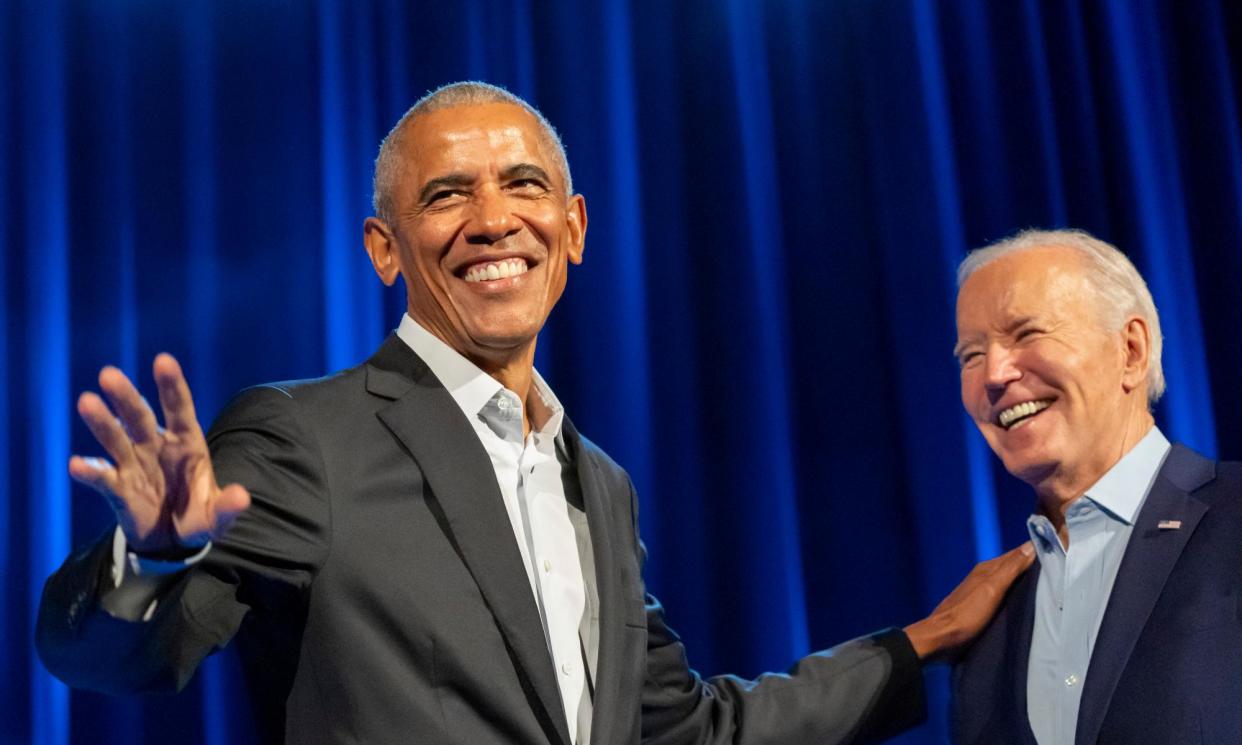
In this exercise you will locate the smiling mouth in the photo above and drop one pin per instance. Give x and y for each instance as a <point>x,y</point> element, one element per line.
<point>1018,414</point>
<point>493,270</point>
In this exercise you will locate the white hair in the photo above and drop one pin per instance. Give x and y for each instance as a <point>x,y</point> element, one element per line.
<point>390,165</point>
<point>1121,291</point>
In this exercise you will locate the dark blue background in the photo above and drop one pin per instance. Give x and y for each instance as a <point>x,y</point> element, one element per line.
<point>778,194</point>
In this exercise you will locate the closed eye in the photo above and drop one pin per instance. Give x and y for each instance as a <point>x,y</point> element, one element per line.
<point>445,199</point>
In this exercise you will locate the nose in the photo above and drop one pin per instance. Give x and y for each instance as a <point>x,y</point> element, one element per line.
<point>999,370</point>
<point>492,218</point>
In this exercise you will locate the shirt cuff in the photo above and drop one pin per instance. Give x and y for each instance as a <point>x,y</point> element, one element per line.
<point>137,581</point>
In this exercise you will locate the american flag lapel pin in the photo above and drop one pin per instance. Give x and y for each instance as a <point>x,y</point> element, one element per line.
<point>1168,524</point>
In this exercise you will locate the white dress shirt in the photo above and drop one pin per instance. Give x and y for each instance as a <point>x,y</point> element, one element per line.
<point>1075,584</point>
<point>545,510</point>
<point>551,532</point>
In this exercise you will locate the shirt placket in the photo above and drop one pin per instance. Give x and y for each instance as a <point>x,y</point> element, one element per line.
<point>1058,587</point>
<point>1079,588</point>
<point>559,575</point>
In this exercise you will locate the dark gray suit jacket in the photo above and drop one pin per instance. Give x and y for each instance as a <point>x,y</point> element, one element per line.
<point>377,595</point>
<point>1167,663</point>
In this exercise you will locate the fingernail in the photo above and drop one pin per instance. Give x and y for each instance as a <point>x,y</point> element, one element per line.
<point>1028,549</point>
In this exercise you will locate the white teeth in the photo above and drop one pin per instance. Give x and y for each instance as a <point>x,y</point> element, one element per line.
<point>1021,411</point>
<point>496,270</point>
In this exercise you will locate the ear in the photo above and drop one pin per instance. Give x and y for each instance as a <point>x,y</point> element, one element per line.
<point>381,246</point>
<point>1136,346</point>
<point>576,216</point>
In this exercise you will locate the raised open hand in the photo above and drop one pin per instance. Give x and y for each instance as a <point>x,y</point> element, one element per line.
<point>160,481</point>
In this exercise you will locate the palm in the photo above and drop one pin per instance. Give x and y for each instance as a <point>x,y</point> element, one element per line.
<point>160,481</point>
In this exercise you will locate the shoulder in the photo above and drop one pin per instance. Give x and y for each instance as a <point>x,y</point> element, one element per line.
<point>1216,486</point>
<point>1199,475</point>
<point>1230,473</point>
<point>313,397</point>
<point>1224,492</point>
<point>387,374</point>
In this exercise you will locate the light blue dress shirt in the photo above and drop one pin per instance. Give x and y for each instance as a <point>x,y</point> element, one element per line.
<point>1075,584</point>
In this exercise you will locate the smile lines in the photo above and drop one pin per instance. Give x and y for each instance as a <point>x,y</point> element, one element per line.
<point>1018,413</point>
<point>496,270</point>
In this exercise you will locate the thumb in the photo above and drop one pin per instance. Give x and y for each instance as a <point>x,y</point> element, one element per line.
<point>228,504</point>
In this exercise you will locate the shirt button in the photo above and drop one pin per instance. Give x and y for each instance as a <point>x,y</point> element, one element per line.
<point>1071,680</point>
<point>547,565</point>
<point>567,668</point>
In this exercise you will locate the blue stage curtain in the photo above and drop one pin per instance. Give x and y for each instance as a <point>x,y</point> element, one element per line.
<point>761,332</point>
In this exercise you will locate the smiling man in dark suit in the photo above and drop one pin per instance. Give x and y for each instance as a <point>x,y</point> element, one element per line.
<point>423,548</point>
<point>1128,629</point>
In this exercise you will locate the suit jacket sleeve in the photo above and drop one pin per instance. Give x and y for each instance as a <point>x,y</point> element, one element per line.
<point>861,691</point>
<point>266,559</point>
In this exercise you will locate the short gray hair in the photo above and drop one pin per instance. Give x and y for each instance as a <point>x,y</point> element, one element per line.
<point>1121,289</point>
<point>390,166</point>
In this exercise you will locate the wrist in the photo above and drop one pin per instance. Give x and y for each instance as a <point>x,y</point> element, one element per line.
<point>927,639</point>
<point>128,559</point>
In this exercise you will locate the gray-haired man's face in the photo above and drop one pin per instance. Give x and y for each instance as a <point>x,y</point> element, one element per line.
<point>1053,392</point>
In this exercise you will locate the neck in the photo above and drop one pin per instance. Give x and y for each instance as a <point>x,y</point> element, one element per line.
<point>515,371</point>
<point>512,367</point>
<point>1064,485</point>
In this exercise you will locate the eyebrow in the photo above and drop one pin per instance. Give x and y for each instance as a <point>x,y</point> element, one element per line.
<point>1013,325</point>
<point>1018,322</point>
<point>524,171</point>
<point>462,180</point>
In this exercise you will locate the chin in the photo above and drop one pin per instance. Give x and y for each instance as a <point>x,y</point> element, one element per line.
<point>1030,467</point>
<point>503,339</point>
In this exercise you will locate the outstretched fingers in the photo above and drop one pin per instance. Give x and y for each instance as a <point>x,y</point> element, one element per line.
<point>175,399</point>
<point>96,473</point>
<point>130,407</point>
<point>106,428</point>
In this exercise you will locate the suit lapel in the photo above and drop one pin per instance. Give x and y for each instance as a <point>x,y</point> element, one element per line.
<point>1145,567</point>
<point>595,499</point>
<point>459,473</point>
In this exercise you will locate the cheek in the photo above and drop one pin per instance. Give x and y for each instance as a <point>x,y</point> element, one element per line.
<point>556,283</point>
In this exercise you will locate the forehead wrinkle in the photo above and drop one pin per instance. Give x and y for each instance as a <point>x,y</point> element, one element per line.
<point>508,143</point>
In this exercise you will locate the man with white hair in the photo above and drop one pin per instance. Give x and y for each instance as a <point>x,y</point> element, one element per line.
<point>1128,629</point>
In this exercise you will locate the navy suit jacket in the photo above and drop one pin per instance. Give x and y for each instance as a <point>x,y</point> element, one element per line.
<point>1167,663</point>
